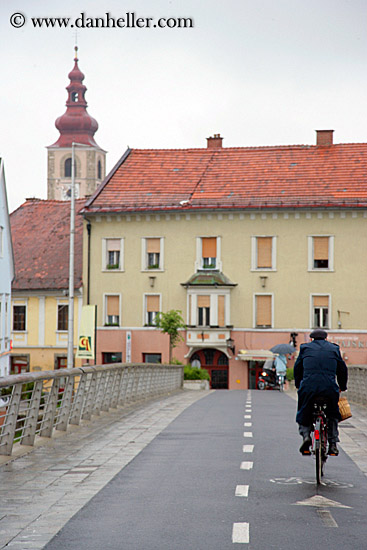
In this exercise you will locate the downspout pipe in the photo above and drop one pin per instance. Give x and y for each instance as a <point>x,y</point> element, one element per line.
<point>89,231</point>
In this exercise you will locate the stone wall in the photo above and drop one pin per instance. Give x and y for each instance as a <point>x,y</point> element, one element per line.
<point>357,384</point>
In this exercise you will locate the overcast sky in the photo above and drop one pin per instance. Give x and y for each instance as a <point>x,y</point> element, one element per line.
<point>258,72</point>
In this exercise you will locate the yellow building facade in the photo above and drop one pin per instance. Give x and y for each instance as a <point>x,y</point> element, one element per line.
<point>41,343</point>
<point>245,278</point>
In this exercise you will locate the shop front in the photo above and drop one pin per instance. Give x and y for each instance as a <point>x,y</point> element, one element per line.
<point>254,361</point>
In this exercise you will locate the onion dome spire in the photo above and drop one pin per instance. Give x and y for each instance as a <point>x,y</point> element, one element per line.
<point>76,124</point>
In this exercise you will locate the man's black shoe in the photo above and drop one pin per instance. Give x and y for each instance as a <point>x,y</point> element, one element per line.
<point>305,447</point>
<point>333,450</point>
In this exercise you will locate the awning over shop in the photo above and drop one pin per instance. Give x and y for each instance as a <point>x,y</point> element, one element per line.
<point>255,354</point>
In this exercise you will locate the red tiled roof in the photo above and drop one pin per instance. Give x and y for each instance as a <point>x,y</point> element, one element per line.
<point>41,237</point>
<point>243,177</point>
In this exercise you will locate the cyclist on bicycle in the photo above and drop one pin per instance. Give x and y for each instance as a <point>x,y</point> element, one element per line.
<point>318,366</point>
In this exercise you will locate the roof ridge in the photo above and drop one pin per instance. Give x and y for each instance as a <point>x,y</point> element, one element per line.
<point>246,147</point>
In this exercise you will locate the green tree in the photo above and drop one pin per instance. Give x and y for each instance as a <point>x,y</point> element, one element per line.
<point>170,323</point>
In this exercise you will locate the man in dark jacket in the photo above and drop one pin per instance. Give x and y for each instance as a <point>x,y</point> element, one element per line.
<point>318,366</point>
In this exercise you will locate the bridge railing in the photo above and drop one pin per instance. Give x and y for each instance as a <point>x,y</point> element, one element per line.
<point>36,404</point>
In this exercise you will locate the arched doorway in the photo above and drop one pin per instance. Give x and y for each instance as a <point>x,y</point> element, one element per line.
<point>216,363</point>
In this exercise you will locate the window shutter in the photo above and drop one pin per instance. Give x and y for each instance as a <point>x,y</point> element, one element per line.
<point>113,245</point>
<point>113,305</point>
<point>264,252</point>
<point>263,311</point>
<point>321,301</point>
<point>203,301</point>
<point>153,303</point>
<point>153,246</point>
<point>321,248</point>
<point>209,247</point>
<point>221,317</point>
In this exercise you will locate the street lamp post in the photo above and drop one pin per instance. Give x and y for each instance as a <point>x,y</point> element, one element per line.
<point>70,353</point>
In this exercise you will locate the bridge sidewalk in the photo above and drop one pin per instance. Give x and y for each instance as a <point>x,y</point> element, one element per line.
<point>41,490</point>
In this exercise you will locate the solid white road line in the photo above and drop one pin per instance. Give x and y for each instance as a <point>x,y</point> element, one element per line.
<point>248,448</point>
<point>242,491</point>
<point>241,533</point>
<point>247,434</point>
<point>246,465</point>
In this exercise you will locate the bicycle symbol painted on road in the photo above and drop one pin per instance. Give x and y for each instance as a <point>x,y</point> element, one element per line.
<point>301,481</point>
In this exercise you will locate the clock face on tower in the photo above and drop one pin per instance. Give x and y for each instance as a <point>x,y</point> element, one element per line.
<point>66,192</point>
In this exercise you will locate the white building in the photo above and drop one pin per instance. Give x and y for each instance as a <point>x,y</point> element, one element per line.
<point>6,276</point>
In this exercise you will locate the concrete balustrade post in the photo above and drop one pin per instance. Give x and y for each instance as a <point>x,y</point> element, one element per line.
<point>65,405</point>
<point>100,392</point>
<point>116,387</point>
<point>108,391</point>
<point>30,424</point>
<point>91,395</point>
<point>48,420</point>
<point>77,408</point>
<point>9,425</point>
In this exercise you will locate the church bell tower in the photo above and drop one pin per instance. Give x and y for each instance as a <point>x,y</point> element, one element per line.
<point>78,127</point>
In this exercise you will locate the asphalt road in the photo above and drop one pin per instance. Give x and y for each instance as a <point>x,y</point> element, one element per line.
<point>201,485</point>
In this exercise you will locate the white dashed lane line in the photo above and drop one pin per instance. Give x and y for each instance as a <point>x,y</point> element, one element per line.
<point>241,533</point>
<point>242,491</point>
<point>246,465</point>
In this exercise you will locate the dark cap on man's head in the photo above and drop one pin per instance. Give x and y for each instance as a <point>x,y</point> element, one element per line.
<point>318,334</point>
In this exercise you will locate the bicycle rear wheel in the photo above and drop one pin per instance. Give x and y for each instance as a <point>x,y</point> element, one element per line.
<point>318,451</point>
<point>319,465</point>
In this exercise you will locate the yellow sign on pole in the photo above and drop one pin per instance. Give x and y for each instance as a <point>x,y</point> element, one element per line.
<point>86,333</point>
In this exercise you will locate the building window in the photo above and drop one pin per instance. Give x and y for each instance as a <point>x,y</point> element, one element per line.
<point>209,252</point>
<point>19,364</point>
<point>112,254</point>
<point>111,357</point>
<point>263,310</point>
<point>67,168</point>
<point>99,170</point>
<point>263,253</point>
<point>320,305</point>
<point>62,316</point>
<point>152,308</point>
<point>321,253</point>
<point>75,97</point>
<point>152,253</point>
<point>211,309</point>
<point>203,316</point>
<point>152,358</point>
<point>19,318</point>
<point>112,309</point>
